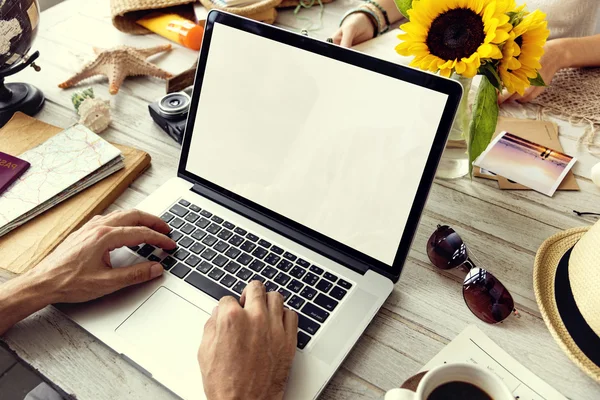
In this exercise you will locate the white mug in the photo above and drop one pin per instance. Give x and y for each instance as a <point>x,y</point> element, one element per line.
<point>438,376</point>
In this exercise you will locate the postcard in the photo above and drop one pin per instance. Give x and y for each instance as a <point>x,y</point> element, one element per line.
<point>525,162</point>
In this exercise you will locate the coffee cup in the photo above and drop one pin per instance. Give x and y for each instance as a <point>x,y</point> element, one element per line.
<point>455,381</point>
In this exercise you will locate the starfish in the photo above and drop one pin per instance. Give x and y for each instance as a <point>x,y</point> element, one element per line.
<point>117,64</point>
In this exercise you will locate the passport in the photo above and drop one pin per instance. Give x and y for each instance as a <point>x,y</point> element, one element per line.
<point>10,169</point>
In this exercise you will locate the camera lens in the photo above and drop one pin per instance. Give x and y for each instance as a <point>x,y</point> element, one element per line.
<point>175,103</point>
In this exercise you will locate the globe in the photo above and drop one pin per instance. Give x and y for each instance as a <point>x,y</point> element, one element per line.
<point>19,20</point>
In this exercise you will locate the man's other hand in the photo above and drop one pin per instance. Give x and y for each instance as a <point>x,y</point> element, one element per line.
<point>248,347</point>
<point>79,268</point>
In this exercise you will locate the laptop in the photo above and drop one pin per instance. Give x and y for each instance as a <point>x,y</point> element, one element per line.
<point>305,166</point>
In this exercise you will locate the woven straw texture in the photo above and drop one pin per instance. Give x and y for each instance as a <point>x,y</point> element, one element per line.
<point>126,12</point>
<point>584,276</point>
<point>295,3</point>
<point>263,11</point>
<point>544,273</point>
<point>574,95</point>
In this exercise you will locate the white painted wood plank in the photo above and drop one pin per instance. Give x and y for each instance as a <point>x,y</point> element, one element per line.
<point>503,229</point>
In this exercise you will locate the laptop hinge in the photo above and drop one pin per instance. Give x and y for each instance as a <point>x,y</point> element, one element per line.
<point>283,229</point>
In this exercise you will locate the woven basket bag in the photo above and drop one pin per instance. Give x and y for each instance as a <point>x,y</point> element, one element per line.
<point>126,12</point>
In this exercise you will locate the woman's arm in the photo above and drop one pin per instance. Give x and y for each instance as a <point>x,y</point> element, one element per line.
<point>580,52</point>
<point>561,53</point>
<point>360,27</point>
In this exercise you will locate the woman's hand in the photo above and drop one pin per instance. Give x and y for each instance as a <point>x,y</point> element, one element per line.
<point>552,61</point>
<point>355,29</point>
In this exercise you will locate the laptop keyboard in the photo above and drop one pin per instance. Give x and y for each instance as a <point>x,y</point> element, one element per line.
<point>219,258</point>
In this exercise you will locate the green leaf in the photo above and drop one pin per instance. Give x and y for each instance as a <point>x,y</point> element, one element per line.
<point>537,81</point>
<point>483,124</point>
<point>490,72</point>
<point>515,18</point>
<point>403,6</point>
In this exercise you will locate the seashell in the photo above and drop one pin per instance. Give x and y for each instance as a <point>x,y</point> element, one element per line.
<point>95,114</point>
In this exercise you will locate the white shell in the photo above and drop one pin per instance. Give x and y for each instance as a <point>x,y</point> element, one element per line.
<point>596,174</point>
<point>95,114</point>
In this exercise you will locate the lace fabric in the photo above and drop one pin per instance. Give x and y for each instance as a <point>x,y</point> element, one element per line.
<point>574,95</point>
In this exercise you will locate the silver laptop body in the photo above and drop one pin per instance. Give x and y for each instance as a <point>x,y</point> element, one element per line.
<point>304,165</point>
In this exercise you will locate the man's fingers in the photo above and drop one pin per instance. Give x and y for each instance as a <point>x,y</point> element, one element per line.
<point>132,236</point>
<point>275,306</point>
<point>133,275</point>
<point>347,38</point>
<point>211,323</point>
<point>224,304</point>
<point>254,296</point>
<point>135,218</point>
<point>290,325</point>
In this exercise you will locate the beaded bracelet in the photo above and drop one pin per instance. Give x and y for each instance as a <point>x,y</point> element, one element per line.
<point>385,15</point>
<point>369,13</point>
<point>380,16</point>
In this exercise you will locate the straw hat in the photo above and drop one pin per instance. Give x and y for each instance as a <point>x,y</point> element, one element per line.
<point>566,281</point>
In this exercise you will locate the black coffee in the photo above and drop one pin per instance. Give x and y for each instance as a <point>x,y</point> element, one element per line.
<point>458,391</point>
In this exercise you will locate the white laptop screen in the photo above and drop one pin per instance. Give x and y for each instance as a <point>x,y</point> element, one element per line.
<point>334,147</point>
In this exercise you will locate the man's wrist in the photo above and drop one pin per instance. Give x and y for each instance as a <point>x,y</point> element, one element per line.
<point>33,290</point>
<point>19,298</point>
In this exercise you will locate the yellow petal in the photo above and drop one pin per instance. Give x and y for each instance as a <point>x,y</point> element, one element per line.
<point>446,72</point>
<point>513,63</point>
<point>501,36</point>
<point>485,50</point>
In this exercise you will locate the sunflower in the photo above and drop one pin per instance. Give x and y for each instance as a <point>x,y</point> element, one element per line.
<point>522,52</point>
<point>455,35</point>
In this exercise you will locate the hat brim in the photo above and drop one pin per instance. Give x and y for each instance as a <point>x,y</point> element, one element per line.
<point>557,305</point>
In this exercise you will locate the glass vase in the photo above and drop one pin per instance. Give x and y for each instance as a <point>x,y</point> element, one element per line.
<point>455,159</point>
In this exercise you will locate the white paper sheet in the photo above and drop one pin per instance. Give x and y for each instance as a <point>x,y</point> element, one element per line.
<point>473,346</point>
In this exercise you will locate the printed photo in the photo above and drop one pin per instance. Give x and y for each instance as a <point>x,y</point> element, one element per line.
<point>525,162</point>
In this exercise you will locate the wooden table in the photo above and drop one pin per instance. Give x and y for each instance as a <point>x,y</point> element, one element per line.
<point>426,309</point>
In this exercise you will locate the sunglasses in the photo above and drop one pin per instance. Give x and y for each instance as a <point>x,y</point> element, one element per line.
<point>485,295</point>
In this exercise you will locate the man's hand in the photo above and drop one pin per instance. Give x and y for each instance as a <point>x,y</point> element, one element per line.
<point>248,347</point>
<point>80,270</point>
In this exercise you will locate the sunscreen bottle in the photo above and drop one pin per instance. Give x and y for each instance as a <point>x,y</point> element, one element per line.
<point>174,27</point>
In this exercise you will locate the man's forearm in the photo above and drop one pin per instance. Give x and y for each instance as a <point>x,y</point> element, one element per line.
<point>580,52</point>
<point>19,298</point>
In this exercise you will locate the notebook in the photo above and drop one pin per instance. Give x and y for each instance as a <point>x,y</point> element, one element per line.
<point>61,167</point>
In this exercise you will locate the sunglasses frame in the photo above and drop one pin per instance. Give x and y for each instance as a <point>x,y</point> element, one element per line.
<point>468,266</point>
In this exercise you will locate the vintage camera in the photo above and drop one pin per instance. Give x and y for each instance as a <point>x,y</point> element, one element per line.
<point>170,113</point>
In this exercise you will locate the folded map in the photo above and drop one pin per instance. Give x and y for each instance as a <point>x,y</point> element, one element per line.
<point>61,167</point>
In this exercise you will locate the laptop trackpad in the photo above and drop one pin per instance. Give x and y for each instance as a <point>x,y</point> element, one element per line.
<point>169,329</point>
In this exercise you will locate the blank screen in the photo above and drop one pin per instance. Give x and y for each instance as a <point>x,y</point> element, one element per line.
<point>334,147</point>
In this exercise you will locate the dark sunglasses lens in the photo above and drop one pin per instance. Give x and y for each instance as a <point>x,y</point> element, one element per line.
<point>486,297</point>
<point>446,249</point>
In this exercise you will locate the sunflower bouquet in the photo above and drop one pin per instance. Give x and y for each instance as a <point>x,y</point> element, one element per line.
<point>464,38</point>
